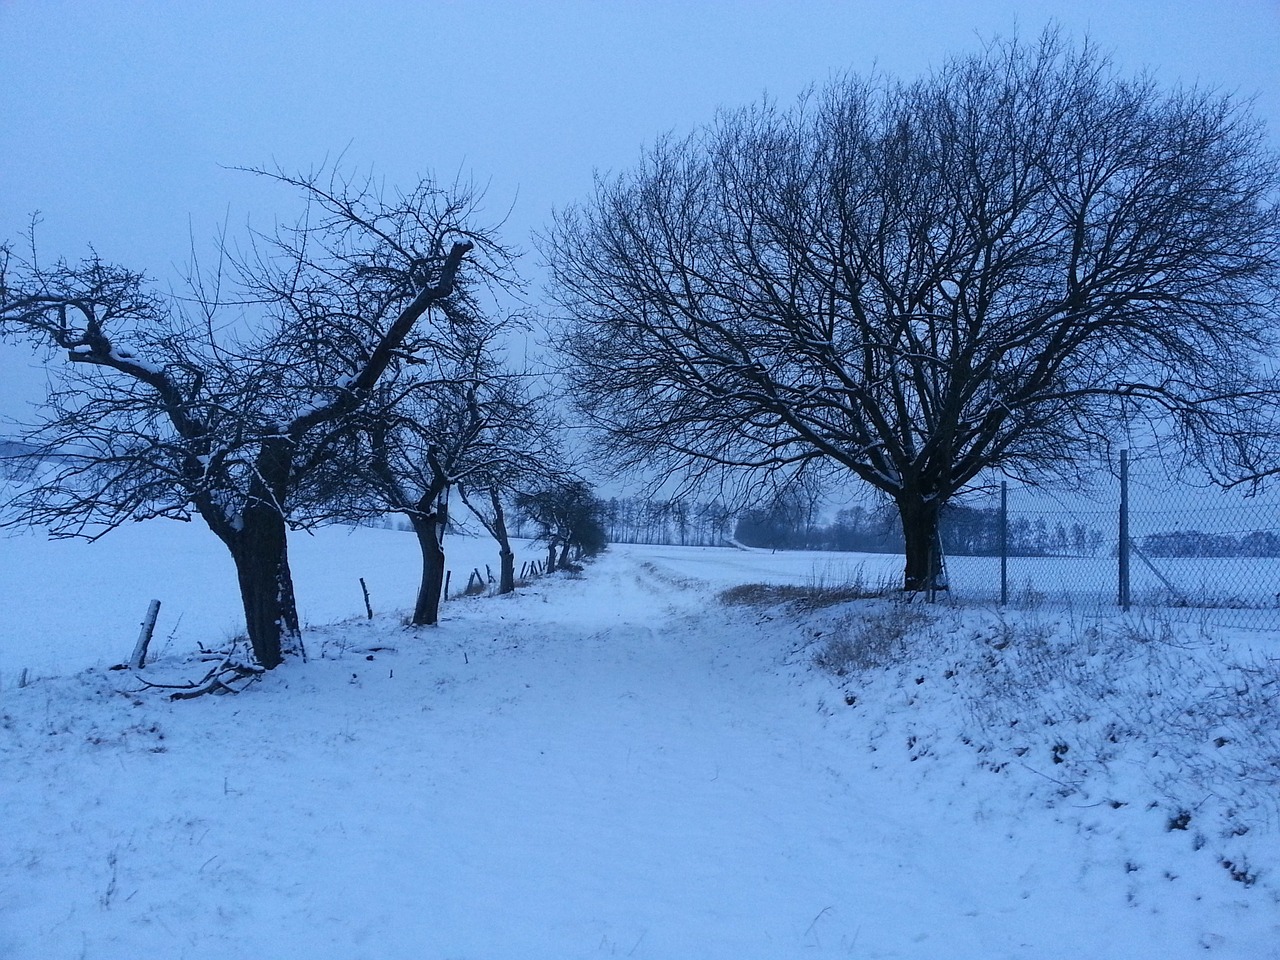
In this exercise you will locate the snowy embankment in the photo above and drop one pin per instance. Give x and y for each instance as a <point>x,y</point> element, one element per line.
<point>621,765</point>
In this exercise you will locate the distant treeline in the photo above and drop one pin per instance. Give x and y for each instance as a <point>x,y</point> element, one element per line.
<point>789,524</point>
<point>1196,543</point>
<point>975,532</point>
<point>18,460</point>
<point>697,524</point>
<point>965,531</point>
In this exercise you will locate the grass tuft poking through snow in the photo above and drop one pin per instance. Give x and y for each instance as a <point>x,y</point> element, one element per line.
<point>818,591</point>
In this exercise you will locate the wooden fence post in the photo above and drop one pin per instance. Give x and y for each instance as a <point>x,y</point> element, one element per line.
<point>368,608</point>
<point>139,658</point>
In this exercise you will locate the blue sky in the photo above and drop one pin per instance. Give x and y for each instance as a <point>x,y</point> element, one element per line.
<point>121,119</point>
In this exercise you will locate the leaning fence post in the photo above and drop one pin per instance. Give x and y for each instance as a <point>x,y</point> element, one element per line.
<point>1123,551</point>
<point>368,607</point>
<point>1004,542</point>
<point>139,658</point>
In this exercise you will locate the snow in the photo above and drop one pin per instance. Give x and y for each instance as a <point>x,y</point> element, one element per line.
<point>611,764</point>
<point>127,355</point>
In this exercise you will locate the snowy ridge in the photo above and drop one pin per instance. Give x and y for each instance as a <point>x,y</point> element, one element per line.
<point>620,765</point>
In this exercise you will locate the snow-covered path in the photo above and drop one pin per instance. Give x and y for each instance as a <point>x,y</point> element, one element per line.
<point>613,766</point>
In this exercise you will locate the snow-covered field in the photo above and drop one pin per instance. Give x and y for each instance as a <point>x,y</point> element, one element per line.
<point>619,764</point>
<point>72,604</point>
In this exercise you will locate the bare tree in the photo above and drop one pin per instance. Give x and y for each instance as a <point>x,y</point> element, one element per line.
<point>162,413</point>
<point>568,518</point>
<point>529,453</point>
<point>1000,267</point>
<point>452,419</point>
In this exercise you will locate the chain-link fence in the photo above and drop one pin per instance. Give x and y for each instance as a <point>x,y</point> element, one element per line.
<point>1138,541</point>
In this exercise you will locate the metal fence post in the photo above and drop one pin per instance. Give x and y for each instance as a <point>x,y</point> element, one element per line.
<point>1004,542</point>
<point>1122,551</point>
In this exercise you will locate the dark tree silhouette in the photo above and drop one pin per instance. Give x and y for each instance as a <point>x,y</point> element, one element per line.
<point>999,267</point>
<point>568,517</point>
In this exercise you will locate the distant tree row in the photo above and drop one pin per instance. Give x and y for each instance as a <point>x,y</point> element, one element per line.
<point>975,532</point>
<point>17,461</point>
<point>1197,543</point>
<point>965,531</point>
<point>696,524</point>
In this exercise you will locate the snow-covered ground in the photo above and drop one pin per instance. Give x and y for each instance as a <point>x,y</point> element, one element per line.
<point>619,764</point>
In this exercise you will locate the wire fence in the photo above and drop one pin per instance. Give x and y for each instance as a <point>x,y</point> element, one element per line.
<point>1139,542</point>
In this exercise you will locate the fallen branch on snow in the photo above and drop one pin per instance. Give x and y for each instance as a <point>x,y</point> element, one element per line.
<point>229,676</point>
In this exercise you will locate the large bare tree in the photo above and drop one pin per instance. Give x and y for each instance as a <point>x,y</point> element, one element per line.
<point>221,401</point>
<point>999,267</point>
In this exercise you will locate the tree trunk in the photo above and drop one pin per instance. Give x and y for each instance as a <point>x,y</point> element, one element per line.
<point>261,556</point>
<point>506,556</point>
<point>919,516</point>
<point>427,609</point>
<point>507,572</point>
<point>429,518</point>
<point>564,552</point>
<point>551,556</point>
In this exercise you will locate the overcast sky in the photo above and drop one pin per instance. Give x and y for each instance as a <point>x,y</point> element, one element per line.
<point>118,119</point>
